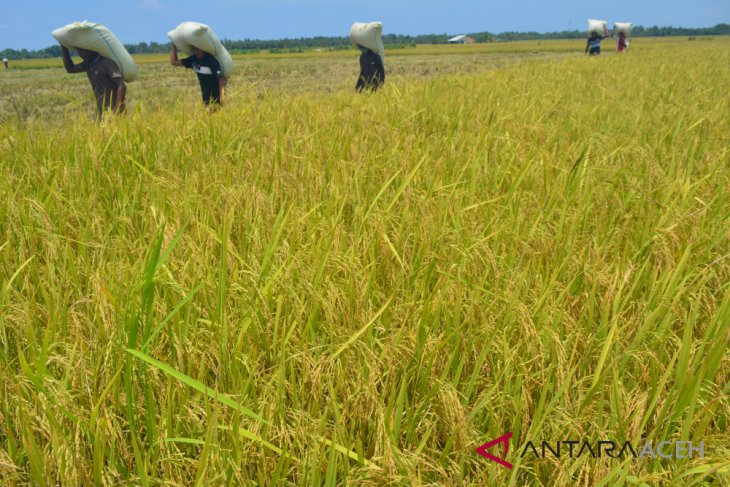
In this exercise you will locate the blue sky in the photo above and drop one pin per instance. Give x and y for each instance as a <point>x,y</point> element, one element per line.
<point>27,24</point>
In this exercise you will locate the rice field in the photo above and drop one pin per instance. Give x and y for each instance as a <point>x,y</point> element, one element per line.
<point>311,287</point>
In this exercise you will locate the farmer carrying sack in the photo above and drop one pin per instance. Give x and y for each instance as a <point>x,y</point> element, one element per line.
<point>95,37</point>
<point>189,35</point>
<point>368,35</point>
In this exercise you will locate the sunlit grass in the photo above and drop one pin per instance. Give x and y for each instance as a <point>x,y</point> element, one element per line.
<point>317,288</point>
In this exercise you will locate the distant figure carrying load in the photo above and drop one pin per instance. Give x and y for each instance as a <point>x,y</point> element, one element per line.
<point>623,29</point>
<point>207,57</point>
<point>597,31</point>
<point>106,62</point>
<point>372,71</point>
<point>5,63</point>
<point>369,39</point>
<point>105,77</point>
<point>210,74</point>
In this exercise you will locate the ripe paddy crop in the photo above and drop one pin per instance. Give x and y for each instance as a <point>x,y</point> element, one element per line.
<point>316,288</point>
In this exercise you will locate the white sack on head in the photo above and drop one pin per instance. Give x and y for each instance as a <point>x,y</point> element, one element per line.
<point>622,27</point>
<point>188,35</point>
<point>599,27</point>
<point>95,37</point>
<point>368,35</point>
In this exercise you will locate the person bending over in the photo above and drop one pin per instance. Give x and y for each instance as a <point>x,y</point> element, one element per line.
<point>105,77</point>
<point>210,75</point>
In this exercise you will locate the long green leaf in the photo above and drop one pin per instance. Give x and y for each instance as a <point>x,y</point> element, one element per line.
<point>197,385</point>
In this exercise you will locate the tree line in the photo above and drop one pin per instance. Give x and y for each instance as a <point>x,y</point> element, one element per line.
<point>392,40</point>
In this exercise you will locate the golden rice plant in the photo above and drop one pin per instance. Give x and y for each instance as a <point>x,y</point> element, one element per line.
<point>318,288</point>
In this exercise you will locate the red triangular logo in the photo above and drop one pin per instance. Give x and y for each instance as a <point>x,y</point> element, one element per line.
<point>482,450</point>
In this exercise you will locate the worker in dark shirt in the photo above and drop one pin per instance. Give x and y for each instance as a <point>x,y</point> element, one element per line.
<point>210,74</point>
<point>372,71</point>
<point>105,77</point>
<point>593,46</point>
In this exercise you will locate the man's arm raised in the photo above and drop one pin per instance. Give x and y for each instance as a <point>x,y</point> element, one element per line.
<point>174,60</point>
<point>69,64</point>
